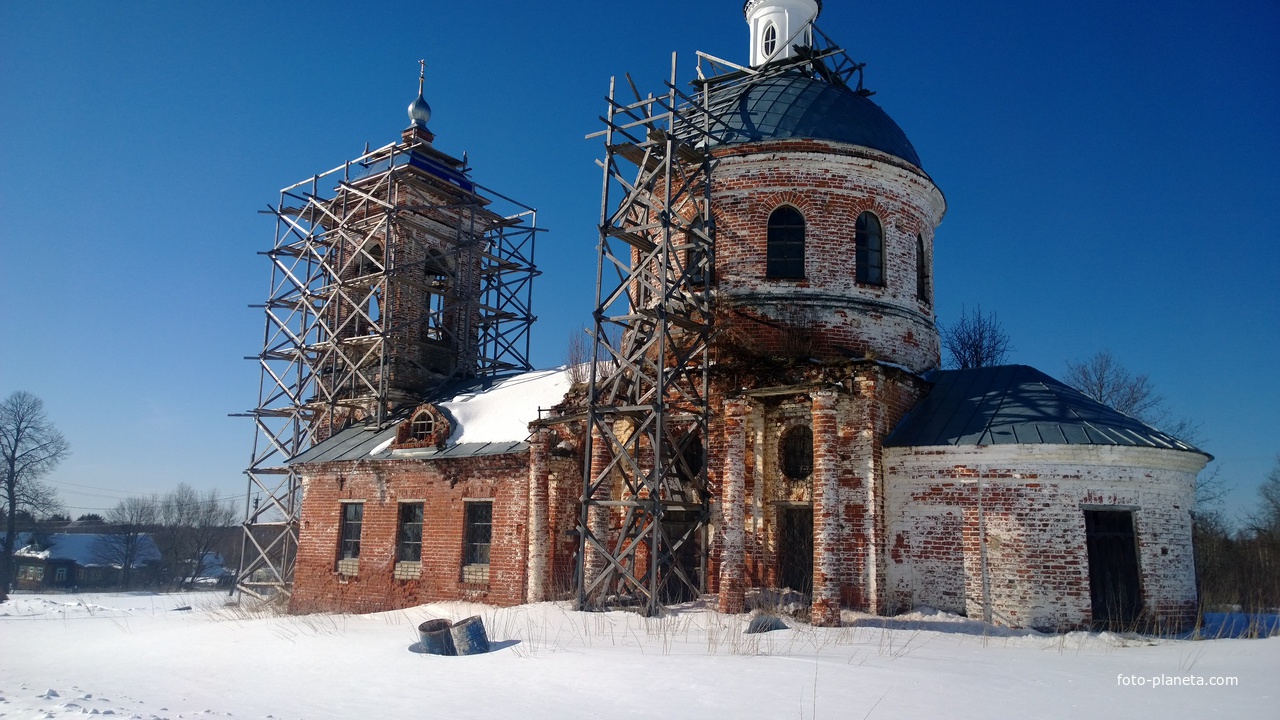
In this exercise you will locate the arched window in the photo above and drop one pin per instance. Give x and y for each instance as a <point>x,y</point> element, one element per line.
<point>697,259</point>
<point>692,458</point>
<point>870,255</point>
<point>770,39</point>
<point>422,425</point>
<point>370,261</point>
<point>436,275</point>
<point>922,271</point>
<point>795,452</point>
<point>785,244</point>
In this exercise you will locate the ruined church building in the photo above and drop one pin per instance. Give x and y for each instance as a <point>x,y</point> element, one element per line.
<point>765,422</point>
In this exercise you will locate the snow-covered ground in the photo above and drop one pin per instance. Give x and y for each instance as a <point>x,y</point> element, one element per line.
<point>138,655</point>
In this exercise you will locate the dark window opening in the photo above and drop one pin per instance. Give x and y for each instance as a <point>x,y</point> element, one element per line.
<point>1115,585</point>
<point>795,548</point>
<point>409,535</point>
<point>370,261</point>
<point>922,271</point>
<point>692,457</point>
<point>476,539</point>
<point>698,257</point>
<point>349,544</point>
<point>785,244</point>
<point>436,275</point>
<point>870,250</point>
<point>796,452</point>
<point>770,39</point>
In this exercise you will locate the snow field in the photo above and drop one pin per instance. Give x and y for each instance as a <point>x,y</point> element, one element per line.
<point>133,655</point>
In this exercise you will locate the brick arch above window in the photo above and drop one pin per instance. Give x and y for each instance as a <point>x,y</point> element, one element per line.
<point>425,427</point>
<point>784,243</point>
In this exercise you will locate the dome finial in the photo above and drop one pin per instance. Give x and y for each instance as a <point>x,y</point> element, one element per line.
<point>419,110</point>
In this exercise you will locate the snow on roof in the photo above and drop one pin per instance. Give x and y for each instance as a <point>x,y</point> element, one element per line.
<point>502,412</point>
<point>488,417</point>
<point>80,548</point>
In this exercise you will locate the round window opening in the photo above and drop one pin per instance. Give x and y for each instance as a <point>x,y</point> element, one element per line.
<point>796,452</point>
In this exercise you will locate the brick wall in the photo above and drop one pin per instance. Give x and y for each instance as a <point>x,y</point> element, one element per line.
<point>442,486</point>
<point>826,313</point>
<point>868,401</point>
<point>1033,502</point>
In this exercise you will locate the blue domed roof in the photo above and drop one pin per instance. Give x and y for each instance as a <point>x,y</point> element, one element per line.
<point>795,105</point>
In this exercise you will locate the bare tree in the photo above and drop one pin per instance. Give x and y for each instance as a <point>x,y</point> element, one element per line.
<point>976,340</point>
<point>30,447</point>
<point>1266,520</point>
<point>192,526</point>
<point>130,520</point>
<point>578,355</point>
<point>1103,378</point>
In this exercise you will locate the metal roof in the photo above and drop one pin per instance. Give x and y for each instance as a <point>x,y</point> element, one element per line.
<point>794,105</point>
<point>1011,404</point>
<point>359,441</point>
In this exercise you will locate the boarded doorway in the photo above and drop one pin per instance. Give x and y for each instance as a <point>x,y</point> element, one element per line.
<point>795,548</point>
<point>1114,580</point>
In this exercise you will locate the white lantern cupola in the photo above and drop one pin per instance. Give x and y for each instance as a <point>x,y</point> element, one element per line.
<point>778,25</point>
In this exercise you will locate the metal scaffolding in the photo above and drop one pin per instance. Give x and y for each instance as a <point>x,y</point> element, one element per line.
<point>646,498</point>
<point>392,275</point>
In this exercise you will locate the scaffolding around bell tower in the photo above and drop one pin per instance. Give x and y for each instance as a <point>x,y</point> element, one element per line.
<point>392,276</point>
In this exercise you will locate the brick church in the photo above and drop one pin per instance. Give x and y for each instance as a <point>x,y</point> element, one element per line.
<point>845,466</point>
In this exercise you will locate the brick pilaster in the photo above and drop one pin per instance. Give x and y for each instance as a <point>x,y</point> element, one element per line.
<point>825,609</point>
<point>732,511</point>
<point>539,538</point>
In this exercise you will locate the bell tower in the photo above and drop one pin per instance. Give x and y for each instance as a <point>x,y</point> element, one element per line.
<point>394,275</point>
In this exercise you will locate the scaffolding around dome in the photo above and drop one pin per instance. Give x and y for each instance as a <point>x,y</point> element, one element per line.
<point>646,499</point>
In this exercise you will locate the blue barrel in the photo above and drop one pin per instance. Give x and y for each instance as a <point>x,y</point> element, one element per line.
<point>469,637</point>
<point>436,637</point>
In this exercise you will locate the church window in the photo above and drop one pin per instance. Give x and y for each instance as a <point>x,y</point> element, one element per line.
<point>369,261</point>
<point>476,541</point>
<point>422,425</point>
<point>352,518</point>
<point>796,452</point>
<point>922,272</point>
<point>770,39</point>
<point>409,533</point>
<point>785,244</point>
<point>436,274</point>
<point>870,250</point>
<point>697,258</point>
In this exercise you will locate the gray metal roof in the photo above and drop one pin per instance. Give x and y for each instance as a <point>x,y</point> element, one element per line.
<point>794,105</point>
<point>358,442</point>
<point>1012,404</point>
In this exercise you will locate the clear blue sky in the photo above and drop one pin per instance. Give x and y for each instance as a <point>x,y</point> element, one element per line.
<point>1110,167</point>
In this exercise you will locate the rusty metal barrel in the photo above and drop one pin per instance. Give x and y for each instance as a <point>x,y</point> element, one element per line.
<point>437,637</point>
<point>469,637</point>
